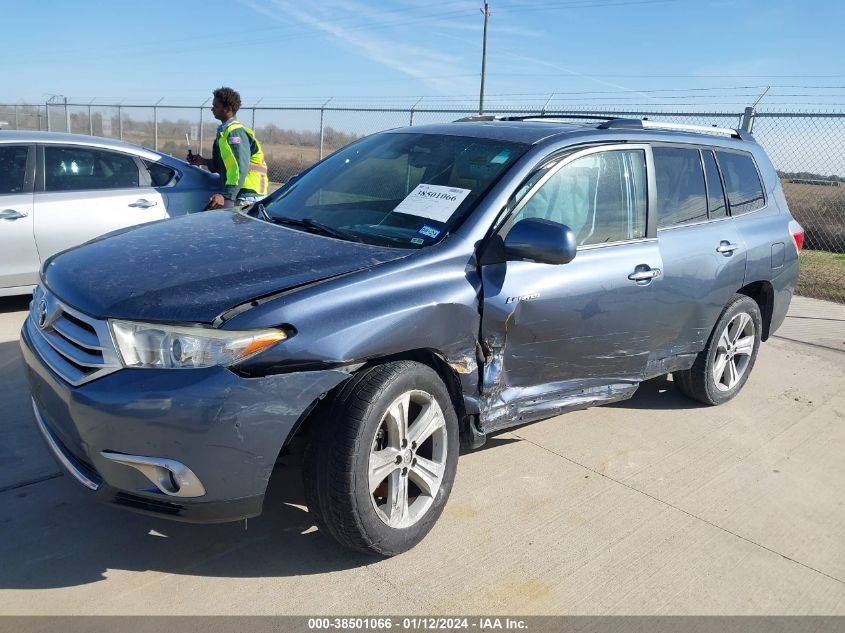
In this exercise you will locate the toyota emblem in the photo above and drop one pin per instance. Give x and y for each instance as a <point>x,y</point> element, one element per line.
<point>42,314</point>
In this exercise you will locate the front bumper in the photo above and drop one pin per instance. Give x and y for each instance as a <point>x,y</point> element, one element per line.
<point>228,430</point>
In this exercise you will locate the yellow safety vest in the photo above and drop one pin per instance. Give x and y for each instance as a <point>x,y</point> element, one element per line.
<point>256,177</point>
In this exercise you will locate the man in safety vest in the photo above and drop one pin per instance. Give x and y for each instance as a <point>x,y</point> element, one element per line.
<point>236,156</point>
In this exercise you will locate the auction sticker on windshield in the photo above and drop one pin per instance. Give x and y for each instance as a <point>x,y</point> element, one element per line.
<point>434,202</point>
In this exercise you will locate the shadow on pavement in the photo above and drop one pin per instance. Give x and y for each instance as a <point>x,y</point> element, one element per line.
<point>57,535</point>
<point>658,393</point>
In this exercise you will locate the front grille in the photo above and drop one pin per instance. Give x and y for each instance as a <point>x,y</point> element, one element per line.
<point>77,347</point>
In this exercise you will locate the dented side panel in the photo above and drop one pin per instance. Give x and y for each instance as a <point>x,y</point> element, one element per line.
<point>578,334</point>
<point>429,302</point>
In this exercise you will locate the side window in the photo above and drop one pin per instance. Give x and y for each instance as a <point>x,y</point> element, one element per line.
<point>680,186</point>
<point>745,191</point>
<point>715,191</point>
<point>601,197</point>
<point>12,168</point>
<point>83,168</point>
<point>160,175</point>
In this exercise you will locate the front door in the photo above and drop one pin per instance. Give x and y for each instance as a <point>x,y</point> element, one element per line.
<point>89,191</point>
<point>558,337</point>
<point>18,256</point>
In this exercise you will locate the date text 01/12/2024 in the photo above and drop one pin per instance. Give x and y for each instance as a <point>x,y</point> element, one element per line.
<point>417,624</point>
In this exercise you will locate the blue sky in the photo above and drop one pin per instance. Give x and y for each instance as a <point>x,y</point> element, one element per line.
<point>589,52</point>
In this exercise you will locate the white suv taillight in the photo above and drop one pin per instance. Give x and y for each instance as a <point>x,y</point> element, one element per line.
<point>797,232</point>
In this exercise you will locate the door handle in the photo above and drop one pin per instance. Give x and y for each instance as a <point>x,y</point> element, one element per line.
<point>643,273</point>
<point>143,204</point>
<point>726,248</point>
<point>11,214</point>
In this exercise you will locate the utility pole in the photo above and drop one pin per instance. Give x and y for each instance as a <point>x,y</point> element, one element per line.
<point>486,12</point>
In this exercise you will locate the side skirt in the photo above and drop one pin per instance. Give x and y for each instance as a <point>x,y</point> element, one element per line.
<point>514,406</point>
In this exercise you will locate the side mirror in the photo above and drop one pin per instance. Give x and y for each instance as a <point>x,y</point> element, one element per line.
<point>540,240</point>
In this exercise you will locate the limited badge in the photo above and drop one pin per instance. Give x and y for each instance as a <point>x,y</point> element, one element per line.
<point>234,140</point>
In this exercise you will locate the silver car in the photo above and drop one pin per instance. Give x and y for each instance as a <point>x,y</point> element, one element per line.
<point>60,190</point>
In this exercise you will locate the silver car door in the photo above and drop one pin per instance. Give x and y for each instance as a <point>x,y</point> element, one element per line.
<point>18,256</point>
<point>562,336</point>
<point>83,192</point>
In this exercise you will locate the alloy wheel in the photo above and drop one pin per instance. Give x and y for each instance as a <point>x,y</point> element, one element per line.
<point>407,459</point>
<point>734,352</point>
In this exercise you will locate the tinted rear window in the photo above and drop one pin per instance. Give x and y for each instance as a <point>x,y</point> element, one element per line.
<point>160,175</point>
<point>742,182</point>
<point>79,168</point>
<point>681,197</point>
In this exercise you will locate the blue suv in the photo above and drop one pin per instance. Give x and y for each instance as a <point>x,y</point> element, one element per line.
<point>414,292</point>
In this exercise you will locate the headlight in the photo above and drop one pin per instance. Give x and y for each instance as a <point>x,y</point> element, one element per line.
<point>150,345</point>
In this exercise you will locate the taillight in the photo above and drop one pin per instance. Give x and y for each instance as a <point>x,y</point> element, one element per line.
<point>797,232</point>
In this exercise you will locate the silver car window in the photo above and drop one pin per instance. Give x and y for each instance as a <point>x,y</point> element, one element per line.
<point>84,168</point>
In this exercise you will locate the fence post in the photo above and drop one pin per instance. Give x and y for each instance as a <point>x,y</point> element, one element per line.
<point>253,112</point>
<point>120,122</point>
<point>202,124</point>
<point>155,124</point>
<point>413,107</point>
<point>47,110</point>
<point>322,130</point>
<point>90,120</point>
<point>67,118</point>
<point>17,127</point>
<point>747,119</point>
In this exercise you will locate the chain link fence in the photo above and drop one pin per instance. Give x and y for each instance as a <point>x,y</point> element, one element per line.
<point>807,149</point>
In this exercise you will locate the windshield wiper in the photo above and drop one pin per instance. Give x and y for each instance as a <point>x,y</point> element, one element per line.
<point>313,225</point>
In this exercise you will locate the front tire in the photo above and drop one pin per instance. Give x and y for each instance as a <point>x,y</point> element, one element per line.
<point>380,465</point>
<point>722,368</point>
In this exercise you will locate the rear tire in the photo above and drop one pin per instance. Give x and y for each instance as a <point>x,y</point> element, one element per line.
<point>722,368</point>
<point>382,458</point>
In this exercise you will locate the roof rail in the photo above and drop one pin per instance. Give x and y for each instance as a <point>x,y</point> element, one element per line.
<point>638,124</point>
<point>559,116</point>
<point>479,117</point>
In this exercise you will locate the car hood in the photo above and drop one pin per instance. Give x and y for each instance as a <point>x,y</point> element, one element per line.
<point>196,267</point>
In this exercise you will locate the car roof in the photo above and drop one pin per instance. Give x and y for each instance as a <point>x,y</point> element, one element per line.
<point>499,130</point>
<point>22,136</point>
<point>536,131</point>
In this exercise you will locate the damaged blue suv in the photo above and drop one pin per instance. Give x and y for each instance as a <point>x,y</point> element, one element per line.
<point>412,293</point>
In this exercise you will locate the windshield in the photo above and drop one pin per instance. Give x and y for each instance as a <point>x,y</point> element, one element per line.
<point>395,189</point>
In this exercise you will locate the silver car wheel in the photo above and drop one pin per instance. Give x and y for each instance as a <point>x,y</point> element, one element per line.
<point>407,459</point>
<point>734,351</point>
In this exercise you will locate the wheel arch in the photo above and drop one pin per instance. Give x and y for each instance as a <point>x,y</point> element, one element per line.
<point>425,356</point>
<point>763,294</point>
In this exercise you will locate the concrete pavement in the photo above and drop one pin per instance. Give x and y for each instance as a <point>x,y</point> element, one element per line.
<point>651,506</point>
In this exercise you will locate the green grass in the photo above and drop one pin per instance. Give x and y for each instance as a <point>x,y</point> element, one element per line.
<point>822,275</point>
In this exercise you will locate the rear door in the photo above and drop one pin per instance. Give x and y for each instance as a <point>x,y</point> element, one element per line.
<point>83,192</point>
<point>18,256</point>
<point>185,190</point>
<point>703,251</point>
<point>555,336</point>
